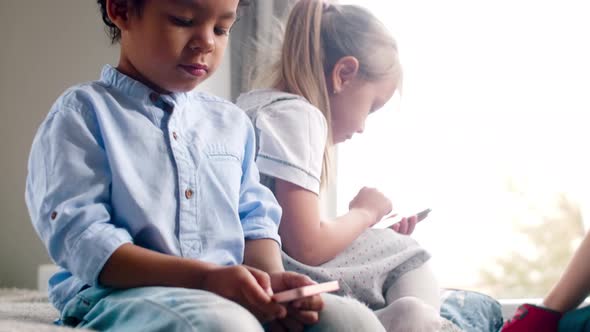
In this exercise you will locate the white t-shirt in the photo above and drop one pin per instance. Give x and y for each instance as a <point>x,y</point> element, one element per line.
<point>291,136</point>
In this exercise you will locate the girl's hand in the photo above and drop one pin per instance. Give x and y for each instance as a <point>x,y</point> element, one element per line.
<point>406,226</point>
<point>372,202</point>
<point>247,286</point>
<point>300,312</point>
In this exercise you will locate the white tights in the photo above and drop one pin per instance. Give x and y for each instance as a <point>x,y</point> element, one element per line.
<point>413,303</point>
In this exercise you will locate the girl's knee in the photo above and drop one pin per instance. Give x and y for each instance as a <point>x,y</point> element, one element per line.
<point>346,314</point>
<point>412,306</point>
<point>409,314</point>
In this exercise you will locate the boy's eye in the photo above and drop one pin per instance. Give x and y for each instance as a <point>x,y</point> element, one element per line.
<point>222,31</point>
<point>181,22</point>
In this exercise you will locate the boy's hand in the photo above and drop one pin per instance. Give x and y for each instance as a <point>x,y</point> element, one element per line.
<point>372,202</point>
<point>300,312</point>
<point>247,286</point>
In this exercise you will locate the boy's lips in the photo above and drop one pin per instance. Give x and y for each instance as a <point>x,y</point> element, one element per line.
<point>197,70</point>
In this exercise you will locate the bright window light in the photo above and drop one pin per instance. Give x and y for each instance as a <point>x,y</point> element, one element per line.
<point>491,132</point>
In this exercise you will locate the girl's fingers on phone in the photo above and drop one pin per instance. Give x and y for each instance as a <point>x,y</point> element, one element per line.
<point>412,221</point>
<point>403,226</point>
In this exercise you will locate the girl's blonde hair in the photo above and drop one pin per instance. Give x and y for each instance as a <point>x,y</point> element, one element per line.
<point>319,34</point>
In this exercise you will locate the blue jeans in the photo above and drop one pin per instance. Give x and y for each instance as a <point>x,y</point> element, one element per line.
<point>180,309</point>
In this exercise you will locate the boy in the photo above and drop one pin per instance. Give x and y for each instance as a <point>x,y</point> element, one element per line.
<point>147,194</point>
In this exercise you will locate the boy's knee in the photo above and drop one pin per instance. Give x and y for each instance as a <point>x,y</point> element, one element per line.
<point>235,318</point>
<point>346,314</point>
<point>197,310</point>
<point>219,314</point>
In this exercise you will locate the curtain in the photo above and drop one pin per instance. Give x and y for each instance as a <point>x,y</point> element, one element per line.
<point>256,22</point>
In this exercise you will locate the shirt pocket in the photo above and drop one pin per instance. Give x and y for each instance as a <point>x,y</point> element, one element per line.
<point>220,178</point>
<point>222,152</point>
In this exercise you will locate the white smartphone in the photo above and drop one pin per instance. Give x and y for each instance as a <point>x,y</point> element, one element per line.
<point>390,221</point>
<point>305,291</point>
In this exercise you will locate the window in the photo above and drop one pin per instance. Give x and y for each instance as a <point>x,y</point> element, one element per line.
<point>491,133</point>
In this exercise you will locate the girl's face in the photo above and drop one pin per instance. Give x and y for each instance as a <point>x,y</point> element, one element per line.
<point>352,105</point>
<point>172,46</point>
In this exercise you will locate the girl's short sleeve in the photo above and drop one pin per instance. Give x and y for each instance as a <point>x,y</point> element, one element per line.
<point>291,140</point>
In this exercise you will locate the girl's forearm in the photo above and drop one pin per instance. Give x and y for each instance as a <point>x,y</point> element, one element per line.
<point>330,239</point>
<point>305,236</point>
<point>133,266</point>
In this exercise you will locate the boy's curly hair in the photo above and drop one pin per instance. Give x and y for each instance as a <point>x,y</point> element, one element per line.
<point>111,29</point>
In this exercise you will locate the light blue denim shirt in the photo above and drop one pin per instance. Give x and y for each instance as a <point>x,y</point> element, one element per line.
<point>115,163</point>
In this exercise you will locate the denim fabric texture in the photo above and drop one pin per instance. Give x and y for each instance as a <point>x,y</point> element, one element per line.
<point>168,309</point>
<point>471,311</point>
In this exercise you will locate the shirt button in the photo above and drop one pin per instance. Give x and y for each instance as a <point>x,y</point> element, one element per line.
<point>154,97</point>
<point>174,135</point>
<point>53,215</point>
<point>188,193</point>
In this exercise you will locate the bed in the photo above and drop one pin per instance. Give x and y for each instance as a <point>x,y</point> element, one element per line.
<point>27,311</point>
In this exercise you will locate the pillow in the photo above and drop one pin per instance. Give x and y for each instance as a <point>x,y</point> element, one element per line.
<point>471,311</point>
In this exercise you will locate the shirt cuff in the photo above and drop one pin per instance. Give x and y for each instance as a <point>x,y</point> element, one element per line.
<point>93,249</point>
<point>261,228</point>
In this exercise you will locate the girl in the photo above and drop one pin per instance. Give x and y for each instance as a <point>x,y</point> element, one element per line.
<point>338,64</point>
<point>147,194</point>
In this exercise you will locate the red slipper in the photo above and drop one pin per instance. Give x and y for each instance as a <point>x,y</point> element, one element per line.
<point>529,317</point>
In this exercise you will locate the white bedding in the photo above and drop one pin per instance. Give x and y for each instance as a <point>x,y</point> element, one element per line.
<point>26,310</point>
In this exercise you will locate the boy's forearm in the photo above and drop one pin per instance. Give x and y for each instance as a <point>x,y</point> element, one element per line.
<point>263,254</point>
<point>133,266</point>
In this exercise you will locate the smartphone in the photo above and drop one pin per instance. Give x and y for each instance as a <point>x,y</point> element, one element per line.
<point>305,291</point>
<point>389,221</point>
<point>423,214</point>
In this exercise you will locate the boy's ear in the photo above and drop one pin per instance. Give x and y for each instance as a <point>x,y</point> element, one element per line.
<point>345,70</point>
<point>118,11</point>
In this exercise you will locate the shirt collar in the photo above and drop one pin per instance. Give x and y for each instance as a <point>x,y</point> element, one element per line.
<point>131,87</point>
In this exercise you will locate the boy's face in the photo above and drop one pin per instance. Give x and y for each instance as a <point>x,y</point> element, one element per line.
<point>174,45</point>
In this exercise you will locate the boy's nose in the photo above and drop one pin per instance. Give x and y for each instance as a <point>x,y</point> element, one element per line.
<point>202,42</point>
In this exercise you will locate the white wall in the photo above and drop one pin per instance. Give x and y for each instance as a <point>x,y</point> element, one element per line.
<point>46,47</point>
